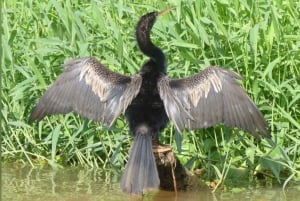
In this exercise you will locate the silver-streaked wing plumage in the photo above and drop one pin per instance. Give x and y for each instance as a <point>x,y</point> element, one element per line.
<point>210,97</point>
<point>89,89</point>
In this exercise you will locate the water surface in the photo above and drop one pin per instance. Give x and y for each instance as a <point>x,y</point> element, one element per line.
<point>79,184</point>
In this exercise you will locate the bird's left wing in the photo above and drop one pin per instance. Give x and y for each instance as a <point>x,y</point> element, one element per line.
<point>89,89</point>
<point>210,97</point>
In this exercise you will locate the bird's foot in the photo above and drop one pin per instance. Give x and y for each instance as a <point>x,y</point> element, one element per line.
<point>159,148</point>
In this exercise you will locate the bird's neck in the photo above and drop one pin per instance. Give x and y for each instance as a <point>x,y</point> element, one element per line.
<point>149,49</point>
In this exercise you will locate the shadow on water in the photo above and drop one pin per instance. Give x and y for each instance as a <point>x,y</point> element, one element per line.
<point>79,184</point>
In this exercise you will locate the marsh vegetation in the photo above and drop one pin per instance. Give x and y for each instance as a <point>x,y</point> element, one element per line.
<point>258,39</point>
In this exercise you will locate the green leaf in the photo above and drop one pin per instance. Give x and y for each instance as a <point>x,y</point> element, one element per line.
<point>55,135</point>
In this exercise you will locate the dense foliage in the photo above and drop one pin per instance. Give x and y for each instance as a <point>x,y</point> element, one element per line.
<point>258,39</point>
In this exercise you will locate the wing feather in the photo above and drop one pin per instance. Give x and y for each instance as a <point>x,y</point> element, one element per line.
<point>210,97</point>
<point>89,89</point>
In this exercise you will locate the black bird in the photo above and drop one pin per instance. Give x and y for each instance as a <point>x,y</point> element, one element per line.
<point>149,100</point>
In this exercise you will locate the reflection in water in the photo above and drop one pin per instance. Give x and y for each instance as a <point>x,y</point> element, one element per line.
<point>78,184</point>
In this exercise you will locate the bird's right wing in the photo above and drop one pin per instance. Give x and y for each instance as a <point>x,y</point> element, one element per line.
<point>89,89</point>
<point>210,97</point>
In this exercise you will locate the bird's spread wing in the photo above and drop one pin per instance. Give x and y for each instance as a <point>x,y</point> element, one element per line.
<point>210,97</point>
<point>89,89</point>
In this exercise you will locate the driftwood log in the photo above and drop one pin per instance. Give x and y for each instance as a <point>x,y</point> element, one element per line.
<point>172,174</point>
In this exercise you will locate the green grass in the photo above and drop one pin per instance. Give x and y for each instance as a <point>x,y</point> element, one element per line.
<point>258,39</point>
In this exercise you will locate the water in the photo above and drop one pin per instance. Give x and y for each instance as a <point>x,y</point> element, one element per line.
<point>78,184</point>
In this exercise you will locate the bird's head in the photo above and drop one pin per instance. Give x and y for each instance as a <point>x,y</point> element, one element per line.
<point>147,21</point>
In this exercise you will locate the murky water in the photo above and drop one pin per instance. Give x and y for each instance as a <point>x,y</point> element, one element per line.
<point>78,184</point>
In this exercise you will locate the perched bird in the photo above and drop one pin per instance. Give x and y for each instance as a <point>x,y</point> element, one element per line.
<point>150,99</point>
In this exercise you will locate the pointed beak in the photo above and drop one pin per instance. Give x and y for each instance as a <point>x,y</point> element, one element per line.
<point>165,11</point>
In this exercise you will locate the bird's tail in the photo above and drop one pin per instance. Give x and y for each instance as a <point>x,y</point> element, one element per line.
<point>140,172</point>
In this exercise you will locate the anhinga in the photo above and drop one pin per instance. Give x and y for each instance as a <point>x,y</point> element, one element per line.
<point>150,99</point>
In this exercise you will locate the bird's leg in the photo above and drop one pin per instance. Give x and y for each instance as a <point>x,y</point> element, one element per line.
<point>158,147</point>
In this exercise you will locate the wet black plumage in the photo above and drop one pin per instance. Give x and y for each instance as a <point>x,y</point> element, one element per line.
<point>149,100</point>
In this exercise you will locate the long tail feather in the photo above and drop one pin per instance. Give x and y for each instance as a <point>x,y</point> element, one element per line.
<point>141,171</point>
